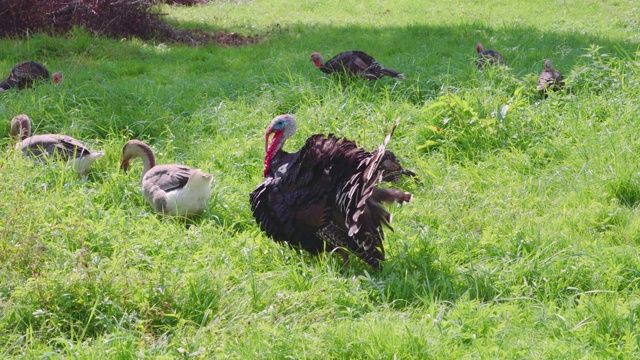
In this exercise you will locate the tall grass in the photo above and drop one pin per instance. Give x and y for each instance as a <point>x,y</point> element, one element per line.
<point>522,240</point>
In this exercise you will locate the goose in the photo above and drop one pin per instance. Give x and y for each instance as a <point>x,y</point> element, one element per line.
<point>171,189</point>
<point>52,145</point>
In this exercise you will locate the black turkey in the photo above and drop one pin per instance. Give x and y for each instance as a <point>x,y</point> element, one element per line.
<point>324,196</point>
<point>26,73</point>
<point>549,79</point>
<point>392,170</point>
<point>488,57</point>
<point>354,63</point>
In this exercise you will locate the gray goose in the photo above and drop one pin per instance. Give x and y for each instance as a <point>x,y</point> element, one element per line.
<point>549,79</point>
<point>52,145</point>
<point>171,189</point>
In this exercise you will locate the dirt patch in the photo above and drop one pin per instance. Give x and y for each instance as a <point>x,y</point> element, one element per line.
<point>200,37</point>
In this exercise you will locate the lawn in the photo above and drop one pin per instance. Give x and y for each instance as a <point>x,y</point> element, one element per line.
<point>522,240</point>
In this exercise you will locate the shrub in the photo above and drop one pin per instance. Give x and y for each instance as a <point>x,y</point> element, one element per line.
<point>114,18</point>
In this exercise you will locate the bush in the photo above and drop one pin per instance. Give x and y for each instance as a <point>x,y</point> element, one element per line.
<point>114,18</point>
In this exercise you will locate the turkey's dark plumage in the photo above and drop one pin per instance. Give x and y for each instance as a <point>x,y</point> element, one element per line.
<point>392,170</point>
<point>325,196</point>
<point>549,79</point>
<point>24,74</point>
<point>488,57</point>
<point>354,63</point>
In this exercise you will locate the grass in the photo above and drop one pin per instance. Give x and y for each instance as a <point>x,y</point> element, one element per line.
<point>522,241</point>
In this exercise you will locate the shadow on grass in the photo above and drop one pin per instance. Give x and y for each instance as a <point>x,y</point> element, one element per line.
<point>146,87</point>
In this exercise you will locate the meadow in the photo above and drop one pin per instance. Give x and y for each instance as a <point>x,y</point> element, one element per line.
<point>521,241</point>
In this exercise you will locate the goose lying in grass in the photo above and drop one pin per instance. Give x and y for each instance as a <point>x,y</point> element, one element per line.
<point>171,189</point>
<point>52,145</point>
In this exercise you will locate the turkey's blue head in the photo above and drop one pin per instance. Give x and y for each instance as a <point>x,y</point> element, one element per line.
<point>282,127</point>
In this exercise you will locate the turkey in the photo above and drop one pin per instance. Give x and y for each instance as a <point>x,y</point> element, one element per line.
<point>171,189</point>
<point>25,74</point>
<point>549,79</point>
<point>325,195</point>
<point>488,57</point>
<point>354,63</point>
<point>392,170</point>
<point>52,145</point>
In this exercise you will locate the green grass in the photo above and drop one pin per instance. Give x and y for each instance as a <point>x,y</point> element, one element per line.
<point>522,240</point>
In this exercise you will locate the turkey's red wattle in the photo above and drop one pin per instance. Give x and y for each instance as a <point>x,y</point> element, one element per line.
<point>272,149</point>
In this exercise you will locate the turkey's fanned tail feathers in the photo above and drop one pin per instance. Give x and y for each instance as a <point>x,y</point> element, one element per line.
<point>325,197</point>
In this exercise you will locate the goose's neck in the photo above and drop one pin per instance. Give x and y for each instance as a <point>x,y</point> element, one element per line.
<point>148,159</point>
<point>20,127</point>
